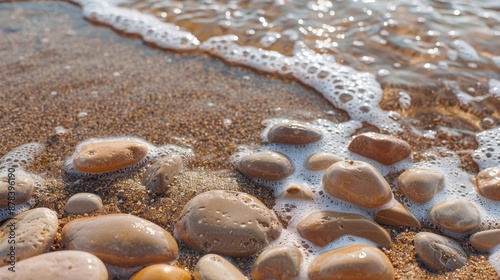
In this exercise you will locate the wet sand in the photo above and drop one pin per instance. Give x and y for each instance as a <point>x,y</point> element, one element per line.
<point>65,80</point>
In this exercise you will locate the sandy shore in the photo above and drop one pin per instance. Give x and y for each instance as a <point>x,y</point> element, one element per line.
<point>65,80</point>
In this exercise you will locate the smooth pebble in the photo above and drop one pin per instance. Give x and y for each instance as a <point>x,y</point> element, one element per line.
<point>385,149</point>
<point>488,183</point>
<point>485,240</point>
<point>297,192</point>
<point>266,165</point>
<point>420,184</point>
<point>321,161</point>
<point>16,188</point>
<point>294,133</point>
<point>456,215</point>
<point>439,252</point>
<point>82,203</point>
<point>277,262</point>
<point>161,272</point>
<point>397,215</point>
<point>215,267</point>
<point>161,173</point>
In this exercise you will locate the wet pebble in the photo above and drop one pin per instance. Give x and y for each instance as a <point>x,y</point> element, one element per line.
<point>488,183</point>
<point>358,183</point>
<point>397,215</point>
<point>107,156</point>
<point>485,240</point>
<point>33,232</point>
<point>297,192</point>
<point>161,272</point>
<point>120,240</point>
<point>277,262</point>
<point>383,148</point>
<point>82,203</point>
<point>215,267</point>
<point>456,215</point>
<point>295,133</point>
<point>60,265</point>
<point>352,262</point>
<point>439,252</point>
<point>420,184</point>
<point>161,173</point>
<point>228,223</point>
<point>266,165</point>
<point>323,227</point>
<point>321,161</point>
<point>19,186</point>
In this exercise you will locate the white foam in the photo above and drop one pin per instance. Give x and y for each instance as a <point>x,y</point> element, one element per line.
<point>494,87</point>
<point>465,50</point>
<point>21,156</point>
<point>488,152</point>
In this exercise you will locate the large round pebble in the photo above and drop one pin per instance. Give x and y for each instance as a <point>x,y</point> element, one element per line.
<point>321,161</point>
<point>101,157</point>
<point>485,240</point>
<point>295,133</point>
<point>383,148</point>
<point>439,252</point>
<point>215,267</point>
<point>420,184</point>
<point>161,272</point>
<point>82,203</point>
<point>277,262</point>
<point>228,223</point>
<point>161,173</point>
<point>352,262</point>
<point>456,215</point>
<point>32,231</point>
<point>323,227</point>
<point>358,183</point>
<point>60,265</point>
<point>16,188</point>
<point>488,183</point>
<point>397,215</point>
<point>121,240</point>
<point>266,165</point>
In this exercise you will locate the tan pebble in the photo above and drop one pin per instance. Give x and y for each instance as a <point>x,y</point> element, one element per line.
<point>159,176</point>
<point>321,161</point>
<point>82,203</point>
<point>228,223</point>
<point>456,215</point>
<point>161,272</point>
<point>101,157</point>
<point>120,240</point>
<point>485,240</point>
<point>383,148</point>
<point>277,262</point>
<point>488,183</point>
<point>323,227</point>
<point>267,165</point>
<point>398,216</point>
<point>295,133</point>
<point>33,231</point>
<point>60,265</point>
<point>215,267</point>
<point>439,252</point>
<point>297,192</point>
<point>352,262</point>
<point>420,184</point>
<point>18,186</point>
<point>358,183</point>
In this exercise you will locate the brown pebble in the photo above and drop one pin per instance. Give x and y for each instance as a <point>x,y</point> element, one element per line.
<point>488,183</point>
<point>358,183</point>
<point>323,227</point>
<point>18,193</point>
<point>101,157</point>
<point>161,272</point>
<point>82,203</point>
<point>295,133</point>
<point>161,173</point>
<point>352,262</point>
<point>398,216</point>
<point>277,262</point>
<point>439,252</point>
<point>485,240</point>
<point>297,192</point>
<point>456,215</point>
<point>420,184</point>
<point>321,161</point>
<point>266,165</point>
<point>383,148</point>
<point>215,267</point>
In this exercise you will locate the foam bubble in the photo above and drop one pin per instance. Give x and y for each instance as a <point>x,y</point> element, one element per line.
<point>21,156</point>
<point>487,153</point>
<point>465,50</point>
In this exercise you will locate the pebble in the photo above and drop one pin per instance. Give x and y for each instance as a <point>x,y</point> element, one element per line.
<point>485,240</point>
<point>352,262</point>
<point>420,184</point>
<point>82,203</point>
<point>358,183</point>
<point>294,133</point>
<point>398,216</point>
<point>321,161</point>
<point>488,183</point>
<point>60,265</point>
<point>161,173</point>
<point>121,240</point>
<point>297,192</point>
<point>228,223</point>
<point>22,189</point>
<point>215,267</point>
<point>266,165</point>
<point>161,272</point>
<point>383,148</point>
<point>456,215</point>
<point>323,227</point>
<point>439,252</point>
<point>277,262</point>
<point>101,157</point>
<point>33,231</point>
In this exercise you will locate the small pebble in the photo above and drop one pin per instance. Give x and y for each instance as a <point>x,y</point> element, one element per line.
<point>383,148</point>
<point>82,203</point>
<point>215,267</point>
<point>398,216</point>
<point>420,184</point>
<point>485,240</point>
<point>277,262</point>
<point>439,252</point>
<point>321,161</point>
<point>456,215</point>
<point>488,183</point>
<point>294,133</point>
<point>161,272</point>
<point>21,190</point>
<point>267,165</point>
<point>159,176</point>
<point>297,192</point>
